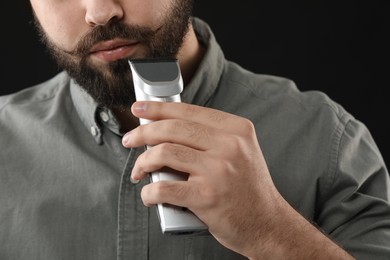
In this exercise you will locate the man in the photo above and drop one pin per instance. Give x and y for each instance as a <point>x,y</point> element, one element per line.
<point>274,173</point>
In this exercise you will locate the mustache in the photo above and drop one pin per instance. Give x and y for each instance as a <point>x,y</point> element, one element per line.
<point>111,31</point>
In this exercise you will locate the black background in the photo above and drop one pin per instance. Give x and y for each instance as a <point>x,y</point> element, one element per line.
<point>339,47</point>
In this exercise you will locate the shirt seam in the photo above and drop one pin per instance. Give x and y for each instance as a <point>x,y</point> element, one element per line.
<point>334,152</point>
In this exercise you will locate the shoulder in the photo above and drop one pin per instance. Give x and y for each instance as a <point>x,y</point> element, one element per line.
<point>38,93</point>
<point>278,96</point>
<point>34,103</point>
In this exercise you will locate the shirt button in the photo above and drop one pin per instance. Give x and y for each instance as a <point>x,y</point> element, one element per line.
<point>104,116</point>
<point>94,131</point>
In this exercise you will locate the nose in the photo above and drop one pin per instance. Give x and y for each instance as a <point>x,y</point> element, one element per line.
<point>100,12</point>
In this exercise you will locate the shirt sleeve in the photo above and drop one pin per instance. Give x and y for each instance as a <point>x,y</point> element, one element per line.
<point>355,206</point>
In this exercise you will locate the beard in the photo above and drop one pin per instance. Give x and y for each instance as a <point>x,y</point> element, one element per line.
<point>112,85</point>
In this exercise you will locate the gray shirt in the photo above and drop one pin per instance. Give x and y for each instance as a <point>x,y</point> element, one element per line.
<point>65,191</point>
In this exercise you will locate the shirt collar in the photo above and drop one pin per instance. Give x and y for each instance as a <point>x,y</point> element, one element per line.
<point>87,109</point>
<point>198,91</point>
<point>206,79</point>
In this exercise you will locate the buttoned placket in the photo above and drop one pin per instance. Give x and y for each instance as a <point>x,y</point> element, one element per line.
<point>133,216</point>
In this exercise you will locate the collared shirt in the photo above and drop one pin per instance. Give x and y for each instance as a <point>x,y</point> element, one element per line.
<point>65,190</point>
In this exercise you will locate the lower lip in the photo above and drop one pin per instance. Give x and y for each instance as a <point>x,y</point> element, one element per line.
<point>114,54</point>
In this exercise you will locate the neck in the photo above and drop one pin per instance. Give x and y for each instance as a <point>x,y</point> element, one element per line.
<point>189,56</point>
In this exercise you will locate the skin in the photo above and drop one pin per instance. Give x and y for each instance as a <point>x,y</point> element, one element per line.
<point>98,58</point>
<point>227,171</point>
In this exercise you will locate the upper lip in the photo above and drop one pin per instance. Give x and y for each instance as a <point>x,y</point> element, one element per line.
<point>111,44</point>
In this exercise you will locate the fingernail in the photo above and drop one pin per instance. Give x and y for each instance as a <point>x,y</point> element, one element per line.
<point>134,181</point>
<point>126,138</point>
<point>139,106</point>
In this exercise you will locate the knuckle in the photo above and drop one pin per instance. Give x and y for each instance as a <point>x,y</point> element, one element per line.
<point>181,154</point>
<point>217,116</point>
<point>223,167</point>
<point>168,190</point>
<point>140,165</point>
<point>140,132</point>
<point>180,191</point>
<point>233,143</point>
<point>158,151</point>
<point>247,127</point>
<point>184,129</point>
<point>159,188</point>
<point>210,195</point>
<point>195,131</point>
<point>191,111</point>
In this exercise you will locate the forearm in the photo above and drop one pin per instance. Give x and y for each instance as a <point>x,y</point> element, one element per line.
<point>291,236</point>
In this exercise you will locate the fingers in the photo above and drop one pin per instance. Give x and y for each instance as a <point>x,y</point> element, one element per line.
<point>196,127</point>
<point>181,193</point>
<point>171,192</point>
<point>183,132</point>
<point>211,117</point>
<point>180,158</point>
<point>167,156</point>
<point>218,152</point>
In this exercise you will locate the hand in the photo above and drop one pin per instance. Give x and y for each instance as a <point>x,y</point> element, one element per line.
<point>229,186</point>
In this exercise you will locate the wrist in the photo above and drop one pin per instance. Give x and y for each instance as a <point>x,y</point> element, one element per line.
<point>288,235</point>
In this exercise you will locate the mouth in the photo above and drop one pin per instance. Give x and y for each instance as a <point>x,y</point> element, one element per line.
<point>113,50</point>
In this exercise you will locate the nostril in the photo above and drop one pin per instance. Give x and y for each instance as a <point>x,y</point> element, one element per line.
<point>104,13</point>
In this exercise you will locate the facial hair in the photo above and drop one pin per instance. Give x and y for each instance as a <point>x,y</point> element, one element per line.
<point>112,86</point>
